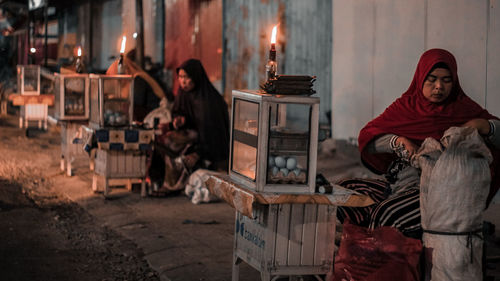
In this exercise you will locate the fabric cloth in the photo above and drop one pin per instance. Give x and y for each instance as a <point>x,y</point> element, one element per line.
<point>205,111</point>
<point>416,118</point>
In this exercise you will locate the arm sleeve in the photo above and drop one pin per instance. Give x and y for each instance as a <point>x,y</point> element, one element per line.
<point>383,144</point>
<point>494,135</point>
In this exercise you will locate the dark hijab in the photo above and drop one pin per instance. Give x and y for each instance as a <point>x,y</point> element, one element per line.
<point>416,118</point>
<point>205,111</point>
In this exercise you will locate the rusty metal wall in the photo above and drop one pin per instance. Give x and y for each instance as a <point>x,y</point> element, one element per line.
<point>193,29</point>
<point>303,43</point>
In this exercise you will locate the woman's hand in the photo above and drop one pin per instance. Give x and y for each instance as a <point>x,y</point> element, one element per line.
<point>178,122</point>
<point>408,145</point>
<point>482,125</point>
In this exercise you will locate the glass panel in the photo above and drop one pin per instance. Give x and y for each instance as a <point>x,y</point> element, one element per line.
<point>245,130</point>
<point>288,144</point>
<point>95,115</point>
<point>57,96</point>
<point>30,79</point>
<point>116,101</point>
<point>74,96</point>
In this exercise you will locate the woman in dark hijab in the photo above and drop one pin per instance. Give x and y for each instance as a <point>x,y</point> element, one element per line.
<point>198,136</point>
<point>200,107</point>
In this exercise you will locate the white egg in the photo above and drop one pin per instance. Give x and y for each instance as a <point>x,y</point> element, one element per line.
<point>284,171</point>
<point>291,163</point>
<point>296,171</point>
<point>275,170</point>
<point>270,162</point>
<point>280,162</point>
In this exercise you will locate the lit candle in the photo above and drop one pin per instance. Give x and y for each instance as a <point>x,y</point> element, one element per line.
<point>272,64</point>
<point>79,64</point>
<point>121,68</point>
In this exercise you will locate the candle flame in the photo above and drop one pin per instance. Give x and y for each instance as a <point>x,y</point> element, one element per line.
<point>79,51</point>
<point>124,40</point>
<point>273,35</point>
<point>33,50</point>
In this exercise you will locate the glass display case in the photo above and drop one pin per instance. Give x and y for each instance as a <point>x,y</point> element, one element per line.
<point>111,100</point>
<point>274,140</point>
<point>28,80</point>
<point>71,96</point>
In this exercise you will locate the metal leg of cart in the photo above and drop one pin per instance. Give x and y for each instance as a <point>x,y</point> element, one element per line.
<point>62,165</point>
<point>3,107</point>
<point>236,268</point>
<point>69,171</point>
<point>94,183</point>
<point>143,189</point>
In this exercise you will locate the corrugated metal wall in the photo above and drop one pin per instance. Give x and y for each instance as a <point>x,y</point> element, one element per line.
<point>377,44</point>
<point>193,29</point>
<point>303,43</point>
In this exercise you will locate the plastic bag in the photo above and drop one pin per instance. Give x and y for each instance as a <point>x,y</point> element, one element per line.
<point>373,255</point>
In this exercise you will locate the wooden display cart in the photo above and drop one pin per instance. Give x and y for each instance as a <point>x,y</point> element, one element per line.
<point>121,158</point>
<point>282,227</point>
<point>282,234</point>
<point>71,111</point>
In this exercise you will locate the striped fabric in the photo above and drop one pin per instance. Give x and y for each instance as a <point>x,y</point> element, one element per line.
<point>374,188</point>
<point>401,211</point>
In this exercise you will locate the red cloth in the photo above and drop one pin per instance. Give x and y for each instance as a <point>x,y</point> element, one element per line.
<point>416,118</point>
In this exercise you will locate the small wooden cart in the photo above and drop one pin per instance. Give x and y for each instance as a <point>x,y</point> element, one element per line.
<point>33,108</point>
<point>121,158</point>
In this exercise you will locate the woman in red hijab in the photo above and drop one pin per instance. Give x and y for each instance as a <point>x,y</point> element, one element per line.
<point>433,103</point>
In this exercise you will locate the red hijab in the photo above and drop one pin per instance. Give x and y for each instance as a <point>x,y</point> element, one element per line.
<point>416,118</point>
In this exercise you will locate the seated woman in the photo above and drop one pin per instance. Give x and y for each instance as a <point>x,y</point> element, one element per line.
<point>433,103</point>
<point>197,137</point>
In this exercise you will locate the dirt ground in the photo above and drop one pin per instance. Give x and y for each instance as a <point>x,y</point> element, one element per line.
<point>44,236</point>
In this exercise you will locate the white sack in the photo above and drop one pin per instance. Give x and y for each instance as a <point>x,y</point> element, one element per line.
<point>454,187</point>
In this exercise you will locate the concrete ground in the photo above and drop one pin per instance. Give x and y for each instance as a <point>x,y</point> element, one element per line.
<point>183,241</point>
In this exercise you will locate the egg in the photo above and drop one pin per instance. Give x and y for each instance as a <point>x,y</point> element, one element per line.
<point>291,163</point>
<point>296,171</point>
<point>280,161</point>
<point>111,120</point>
<point>270,162</point>
<point>284,171</point>
<point>275,170</point>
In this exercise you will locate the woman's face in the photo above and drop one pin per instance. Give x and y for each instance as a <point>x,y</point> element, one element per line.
<point>185,81</point>
<point>437,85</point>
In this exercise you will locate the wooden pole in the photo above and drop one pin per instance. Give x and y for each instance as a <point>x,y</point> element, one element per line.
<point>139,28</point>
<point>46,21</point>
